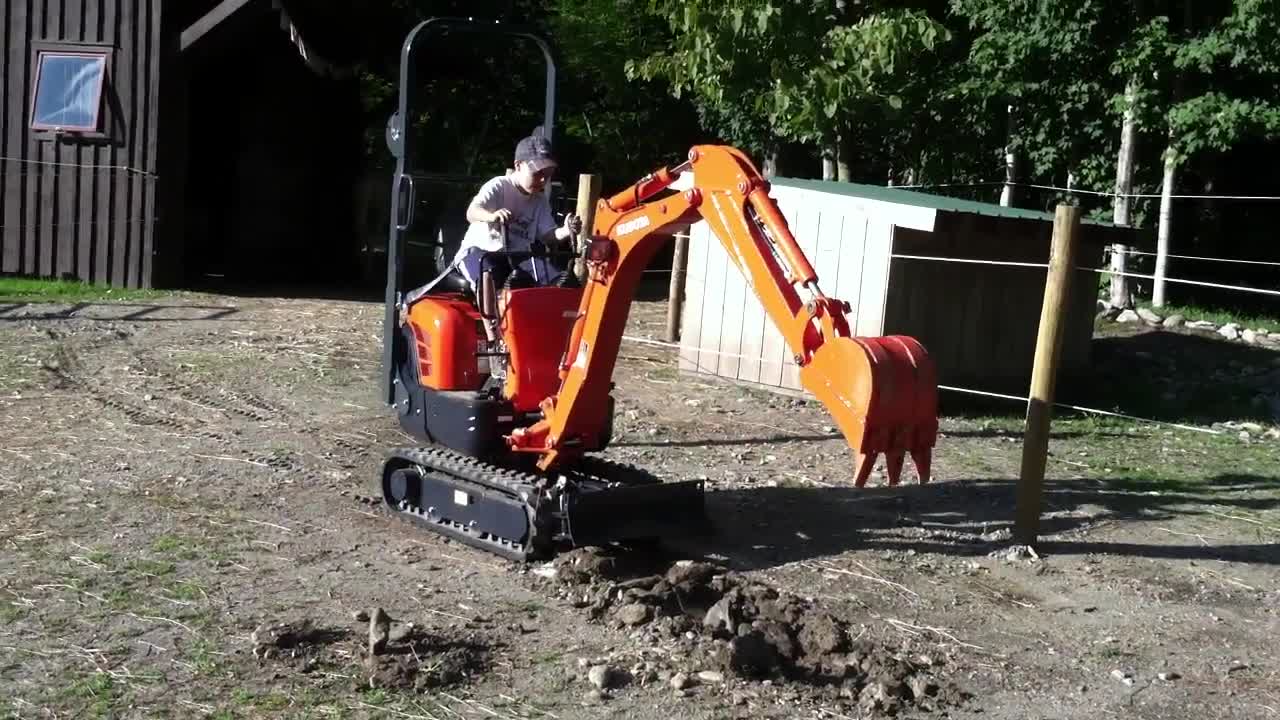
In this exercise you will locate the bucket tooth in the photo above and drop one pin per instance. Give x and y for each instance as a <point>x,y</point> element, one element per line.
<point>893,464</point>
<point>923,458</point>
<point>866,462</point>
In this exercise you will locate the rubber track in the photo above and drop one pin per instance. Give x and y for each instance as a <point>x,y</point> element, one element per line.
<point>508,483</point>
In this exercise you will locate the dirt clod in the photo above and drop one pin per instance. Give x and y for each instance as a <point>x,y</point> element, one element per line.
<point>719,620</point>
<point>711,676</point>
<point>688,575</point>
<point>820,634</point>
<point>680,681</point>
<point>379,631</point>
<point>605,676</point>
<point>634,614</point>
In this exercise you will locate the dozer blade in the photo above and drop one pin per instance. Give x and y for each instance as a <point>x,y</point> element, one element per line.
<point>638,512</point>
<point>882,394</point>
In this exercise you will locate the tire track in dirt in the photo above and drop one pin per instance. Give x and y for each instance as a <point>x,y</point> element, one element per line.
<point>225,400</point>
<point>67,366</point>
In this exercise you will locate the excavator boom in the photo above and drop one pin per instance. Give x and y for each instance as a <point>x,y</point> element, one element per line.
<point>881,391</point>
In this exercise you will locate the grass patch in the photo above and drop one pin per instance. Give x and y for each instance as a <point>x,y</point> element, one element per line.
<point>202,654</point>
<point>151,568</point>
<point>179,548</point>
<point>1220,316</point>
<point>15,289</point>
<point>270,701</point>
<point>97,694</point>
<point>11,612</point>
<point>528,607</point>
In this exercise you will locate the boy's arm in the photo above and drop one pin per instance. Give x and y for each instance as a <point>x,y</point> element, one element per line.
<point>484,207</point>
<point>476,213</point>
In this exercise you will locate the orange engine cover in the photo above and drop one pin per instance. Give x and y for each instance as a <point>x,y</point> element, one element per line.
<point>536,324</point>
<point>447,333</point>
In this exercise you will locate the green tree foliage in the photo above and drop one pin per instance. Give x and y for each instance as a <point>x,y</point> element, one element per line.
<point>612,125</point>
<point>763,72</point>
<point>1050,62</point>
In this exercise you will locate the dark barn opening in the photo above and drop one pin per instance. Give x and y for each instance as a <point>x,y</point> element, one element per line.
<point>273,151</point>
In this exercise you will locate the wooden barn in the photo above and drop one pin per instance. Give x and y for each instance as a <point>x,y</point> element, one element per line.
<point>151,143</point>
<point>978,321</point>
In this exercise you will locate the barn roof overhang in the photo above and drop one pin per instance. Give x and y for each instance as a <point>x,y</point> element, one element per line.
<point>217,29</point>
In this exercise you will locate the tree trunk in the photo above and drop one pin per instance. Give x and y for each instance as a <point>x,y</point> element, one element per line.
<point>1120,295</point>
<point>1166,220</point>
<point>1008,196</point>
<point>844,148</point>
<point>829,153</point>
<point>770,166</point>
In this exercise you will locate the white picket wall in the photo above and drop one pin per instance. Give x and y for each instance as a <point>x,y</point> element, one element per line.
<point>848,240</point>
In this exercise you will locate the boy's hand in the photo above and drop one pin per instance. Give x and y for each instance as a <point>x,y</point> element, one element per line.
<point>573,224</point>
<point>501,215</point>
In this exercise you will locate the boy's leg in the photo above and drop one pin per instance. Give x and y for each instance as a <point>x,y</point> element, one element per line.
<point>541,271</point>
<point>485,273</point>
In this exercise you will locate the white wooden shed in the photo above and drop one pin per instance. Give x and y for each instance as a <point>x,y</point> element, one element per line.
<point>978,322</point>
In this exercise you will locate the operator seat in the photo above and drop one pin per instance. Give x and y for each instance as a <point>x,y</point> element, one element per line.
<point>449,233</point>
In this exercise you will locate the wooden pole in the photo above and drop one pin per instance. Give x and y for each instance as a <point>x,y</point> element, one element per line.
<point>675,294</point>
<point>588,196</point>
<point>1035,443</point>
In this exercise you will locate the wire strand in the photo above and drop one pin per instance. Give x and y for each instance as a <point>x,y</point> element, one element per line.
<point>1081,191</point>
<point>1199,257</point>
<point>79,166</point>
<point>949,388</point>
<point>973,261</point>
<point>1105,271</point>
<point>1221,286</point>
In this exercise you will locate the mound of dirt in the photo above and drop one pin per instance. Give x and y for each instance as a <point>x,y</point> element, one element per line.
<point>751,631</point>
<point>401,657</point>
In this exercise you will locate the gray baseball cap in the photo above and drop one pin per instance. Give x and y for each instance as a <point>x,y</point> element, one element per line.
<point>536,150</point>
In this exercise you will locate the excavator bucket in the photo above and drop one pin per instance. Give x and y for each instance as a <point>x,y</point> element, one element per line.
<point>882,393</point>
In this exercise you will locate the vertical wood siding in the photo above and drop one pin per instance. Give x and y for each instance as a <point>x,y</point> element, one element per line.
<point>978,322</point>
<point>81,208</point>
<point>724,326</point>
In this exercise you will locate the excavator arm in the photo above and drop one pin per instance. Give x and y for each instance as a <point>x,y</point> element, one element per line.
<point>881,391</point>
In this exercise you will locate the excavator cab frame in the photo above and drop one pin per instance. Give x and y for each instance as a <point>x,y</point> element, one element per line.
<point>404,148</point>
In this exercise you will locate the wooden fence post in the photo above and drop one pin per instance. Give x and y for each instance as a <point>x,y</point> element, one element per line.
<point>1035,443</point>
<point>675,293</point>
<point>588,195</point>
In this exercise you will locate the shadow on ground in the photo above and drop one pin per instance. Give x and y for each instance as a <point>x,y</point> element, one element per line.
<point>1178,376</point>
<point>766,527</point>
<point>52,310</point>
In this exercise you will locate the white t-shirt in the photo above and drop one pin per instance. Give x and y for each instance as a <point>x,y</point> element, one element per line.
<point>531,218</point>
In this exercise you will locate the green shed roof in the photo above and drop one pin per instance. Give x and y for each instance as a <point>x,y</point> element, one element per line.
<point>918,199</point>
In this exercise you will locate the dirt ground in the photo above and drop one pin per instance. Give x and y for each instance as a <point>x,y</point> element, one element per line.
<point>186,529</point>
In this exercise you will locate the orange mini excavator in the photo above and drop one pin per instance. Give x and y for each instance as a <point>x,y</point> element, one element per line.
<point>506,465</point>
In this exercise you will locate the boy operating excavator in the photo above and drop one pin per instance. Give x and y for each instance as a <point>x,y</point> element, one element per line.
<point>511,212</point>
